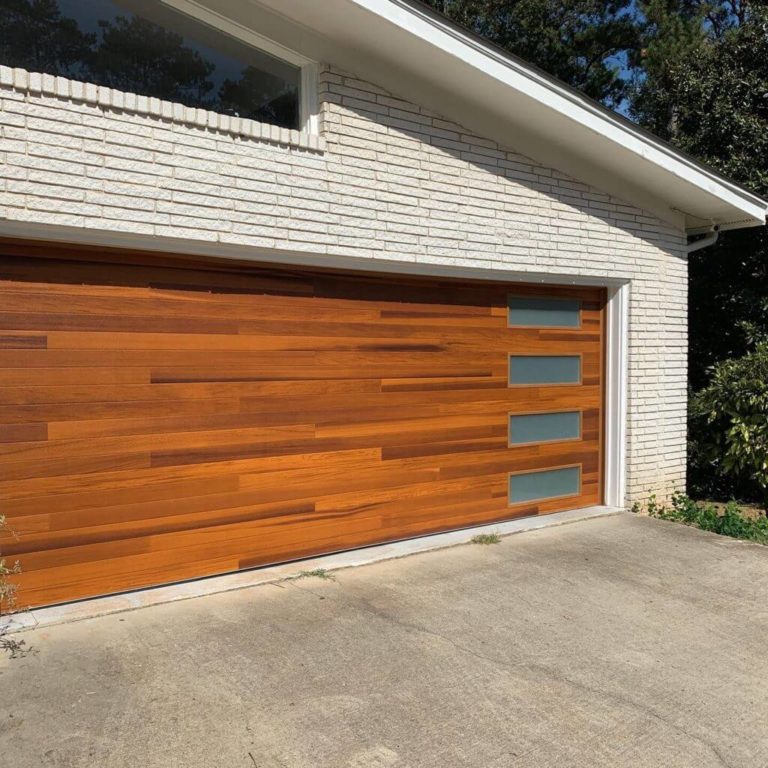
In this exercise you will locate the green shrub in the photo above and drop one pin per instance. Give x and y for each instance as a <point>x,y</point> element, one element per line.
<point>728,429</point>
<point>729,521</point>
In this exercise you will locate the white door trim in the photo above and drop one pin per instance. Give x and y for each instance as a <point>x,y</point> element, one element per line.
<point>617,311</point>
<point>616,353</point>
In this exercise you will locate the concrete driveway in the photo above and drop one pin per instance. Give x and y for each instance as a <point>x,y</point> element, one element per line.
<point>619,641</point>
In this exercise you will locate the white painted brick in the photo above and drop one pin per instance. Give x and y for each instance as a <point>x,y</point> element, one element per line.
<point>100,197</point>
<point>48,83</point>
<point>306,245</point>
<point>60,205</point>
<point>104,96</point>
<point>35,83</point>
<point>49,191</point>
<point>394,182</point>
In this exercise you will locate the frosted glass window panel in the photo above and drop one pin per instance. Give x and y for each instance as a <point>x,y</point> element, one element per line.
<point>544,427</point>
<point>546,484</point>
<point>544,369</point>
<point>536,312</point>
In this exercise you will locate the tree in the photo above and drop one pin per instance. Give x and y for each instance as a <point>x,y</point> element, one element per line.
<point>138,56</point>
<point>34,35</point>
<point>714,105</point>
<point>583,42</point>
<point>729,420</point>
<point>707,66</point>
<point>672,34</point>
<point>707,92</point>
<point>696,74</point>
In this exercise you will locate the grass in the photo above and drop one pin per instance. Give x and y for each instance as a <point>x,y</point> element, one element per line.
<point>317,573</point>
<point>728,520</point>
<point>486,538</point>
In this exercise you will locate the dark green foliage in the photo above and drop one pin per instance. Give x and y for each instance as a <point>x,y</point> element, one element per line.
<point>728,300</point>
<point>705,88</point>
<point>672,35</point>
<point>729,428</point>
<point>721,103</point>
<point>693,56</point>
<point>578,41</point>
<point>709,95</point>
<point>698,77</point>
<point>730,521</point>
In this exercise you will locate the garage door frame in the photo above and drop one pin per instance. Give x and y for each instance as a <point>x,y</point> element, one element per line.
<point>616,319</point>
<point>617,316</point>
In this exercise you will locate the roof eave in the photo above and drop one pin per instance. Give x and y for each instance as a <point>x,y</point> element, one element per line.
<point>576,106</point>
<point>422,56</point>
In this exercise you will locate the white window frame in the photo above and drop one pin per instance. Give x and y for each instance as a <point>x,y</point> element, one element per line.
<point>308,89</point>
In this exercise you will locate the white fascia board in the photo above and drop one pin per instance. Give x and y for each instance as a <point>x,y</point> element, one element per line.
<point>422,57</point>
<point>567,102</point>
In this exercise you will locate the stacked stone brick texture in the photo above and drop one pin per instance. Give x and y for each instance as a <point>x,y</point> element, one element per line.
<point>386,179</point>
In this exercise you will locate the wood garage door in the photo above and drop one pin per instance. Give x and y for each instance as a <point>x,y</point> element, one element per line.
<point>163,420</point>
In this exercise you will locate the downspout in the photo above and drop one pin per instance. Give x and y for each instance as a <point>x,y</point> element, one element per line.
<point>704,242</point>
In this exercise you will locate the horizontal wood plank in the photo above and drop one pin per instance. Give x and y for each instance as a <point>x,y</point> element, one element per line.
<point>164,419</point>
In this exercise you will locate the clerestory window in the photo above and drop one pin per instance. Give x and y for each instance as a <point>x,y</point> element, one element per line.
<point>148,48</point>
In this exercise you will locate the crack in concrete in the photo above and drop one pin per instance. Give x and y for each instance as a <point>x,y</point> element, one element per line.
<point>292,583</point>
<point>549,672</point>
<point>366,605</point>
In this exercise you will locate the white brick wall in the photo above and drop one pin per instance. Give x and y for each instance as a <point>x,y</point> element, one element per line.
<point>393,181</point>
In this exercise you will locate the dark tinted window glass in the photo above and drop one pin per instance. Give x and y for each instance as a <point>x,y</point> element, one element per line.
<point>144,47</point>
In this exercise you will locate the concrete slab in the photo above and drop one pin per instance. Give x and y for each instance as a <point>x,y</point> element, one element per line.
<point>616,641</point>
<point>143,598</point>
